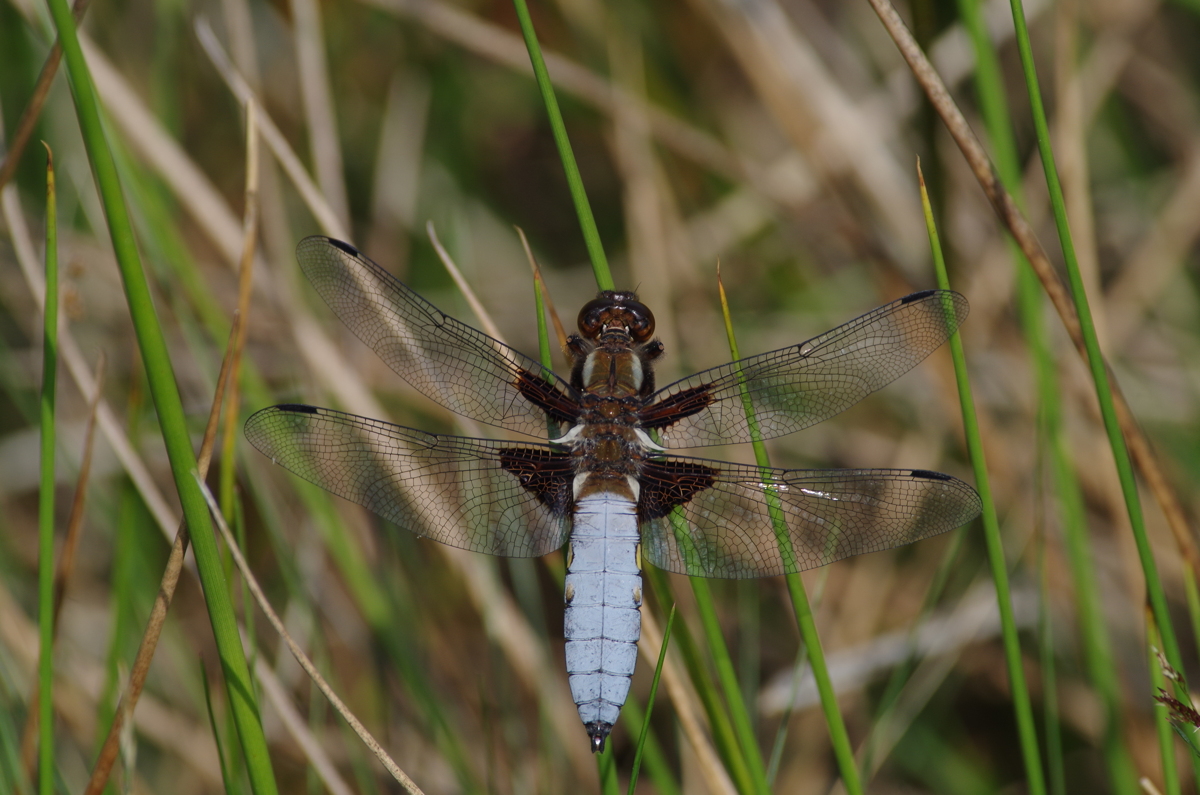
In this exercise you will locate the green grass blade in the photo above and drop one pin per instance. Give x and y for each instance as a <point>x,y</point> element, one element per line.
<point>1156,596</point>
<point>606,767</point>
<point>583,208</point>
<point>168,405</point>
<point>902,673</point>
<point>1162,721</point>
<point>644,734</point>
<point>800,602</point>
<point>739,716</point>
<point>991,528</point>
<point>659,768</point>
<point>1096,364</point>
<point>46,496</point>
<point>226,775</point>
<point>724,737</point>
<point>1055,773</point>
<point>1192,594</point>
<point>1096,644</point>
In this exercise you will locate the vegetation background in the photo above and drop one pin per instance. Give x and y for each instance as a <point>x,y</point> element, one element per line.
<point>776,137</point>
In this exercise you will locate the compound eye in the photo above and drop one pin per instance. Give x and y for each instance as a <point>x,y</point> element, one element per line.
<point>641,321</point>
<point>591,317</point>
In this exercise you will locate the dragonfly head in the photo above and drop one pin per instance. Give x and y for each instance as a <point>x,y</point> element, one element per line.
<point>616,310</point>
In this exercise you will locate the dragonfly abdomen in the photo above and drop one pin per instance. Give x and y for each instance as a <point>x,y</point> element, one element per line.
<point>603,599</point>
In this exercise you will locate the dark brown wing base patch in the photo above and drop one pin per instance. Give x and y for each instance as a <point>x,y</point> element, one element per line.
<point>546,475</point>
<point>666,484</point>
<point>675,407</point>
<point>548,397</point>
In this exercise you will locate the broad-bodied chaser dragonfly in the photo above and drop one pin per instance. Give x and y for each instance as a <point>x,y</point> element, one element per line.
<point>603,485</point>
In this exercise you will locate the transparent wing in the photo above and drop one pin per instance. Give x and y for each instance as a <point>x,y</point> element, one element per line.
<point>795,387</point>
<point>453,364</point>
<point>475,494</point>
<point>727,529</point>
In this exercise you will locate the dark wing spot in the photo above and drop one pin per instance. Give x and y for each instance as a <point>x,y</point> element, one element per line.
<point>928,475</point>
<point>546,475</point>
<point>673,408</point>
<point>546,396</point>
<point>346,247</point>
<point>908,299</point>
<point>297,408</point>
<point>666,484</point>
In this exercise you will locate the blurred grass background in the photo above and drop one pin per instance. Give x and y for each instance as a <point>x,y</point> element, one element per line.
<point>776,137</point>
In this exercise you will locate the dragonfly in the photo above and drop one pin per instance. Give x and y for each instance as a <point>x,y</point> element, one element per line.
<point>604,479</point>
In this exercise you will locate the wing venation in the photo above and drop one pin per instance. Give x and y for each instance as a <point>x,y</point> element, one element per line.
<point>729,529</point>
<point>478,494</point>
<point>795,387</point>
<point>452,363</point>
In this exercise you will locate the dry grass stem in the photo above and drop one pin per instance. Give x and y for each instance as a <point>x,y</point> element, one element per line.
<point>326,216</point>
<point>818,117</point>
<point>653,229</point>
<point>252,583</point>
<point>319,112</point>
<point>33,109</point>
<point>80,370</point>
<point>162,604</point>
<point>1014,221</point>
<point>504,47</point>
<point>485,318</point>
<point>560,332</point>
<point>687,706</point>
<point>293,721</point>
<point>78,689</point>
<point>245,281</point>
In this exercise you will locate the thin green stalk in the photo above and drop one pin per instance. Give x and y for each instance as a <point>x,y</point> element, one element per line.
<point>644,734</point>
<point>12,770</point>
<point>902,673</point>
<point>659,769</point>
<point>165,393</point>
<point>46,496</point>
<point>1162,722</point>
<point>991,530</point>
<point>816,658</point>
<point>727,677</point>
<point>606,766</point>
<point>1193,600</point>
<point>724,737</point>
<point>1100,375</point>
<point>803,608</point>
<point>1096,644</point>
<point>227,779</point>
<point>539,304</point>
<point>1054,753</point>
<point>587,223</point>
<point>1099,371</point>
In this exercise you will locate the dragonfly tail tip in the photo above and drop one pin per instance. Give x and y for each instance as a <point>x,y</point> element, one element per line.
<point>598,731</point>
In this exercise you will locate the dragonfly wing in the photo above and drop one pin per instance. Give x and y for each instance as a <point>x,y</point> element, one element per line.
<point>795,387</point>
<point>724,526</point>
<point>453,364</point>
<point>478,494</point>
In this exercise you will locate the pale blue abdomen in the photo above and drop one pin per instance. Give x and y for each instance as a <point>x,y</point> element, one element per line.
<point>603,621</point>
